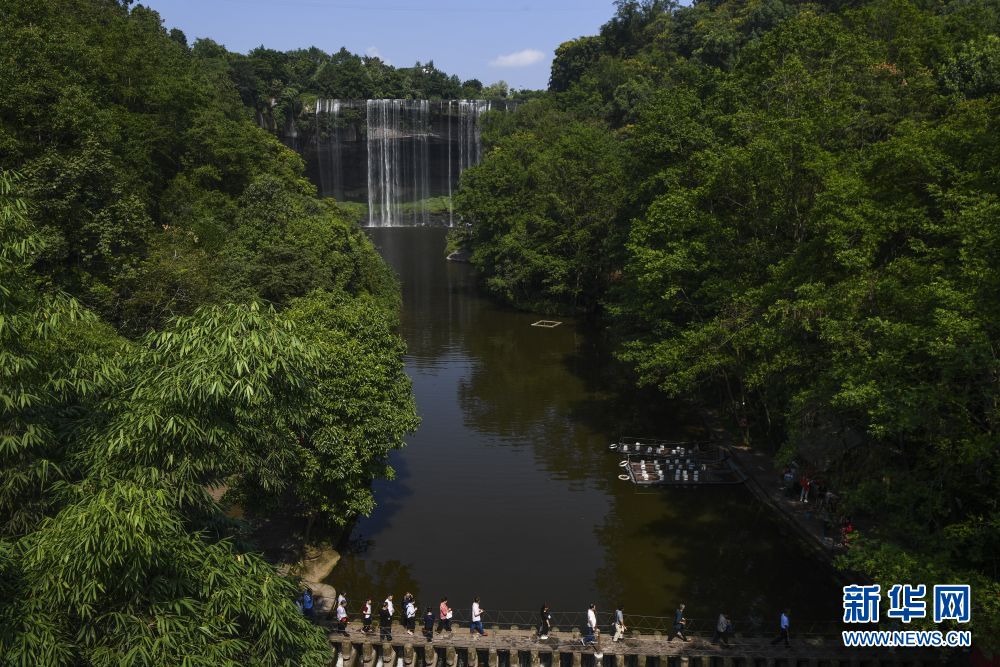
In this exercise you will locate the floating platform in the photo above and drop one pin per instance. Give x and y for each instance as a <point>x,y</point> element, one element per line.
<point>658,472</point>
<point>652,462</point>
<point>547,324</point>
<point>702,452</point>
<point>679,472</point>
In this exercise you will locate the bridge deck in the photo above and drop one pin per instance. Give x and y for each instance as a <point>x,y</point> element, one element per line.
<point>648,645</point>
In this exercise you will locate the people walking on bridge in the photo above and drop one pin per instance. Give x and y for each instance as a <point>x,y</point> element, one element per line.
<point>619,624</point>
<point>722,629</point>
<point>783,631</point>
<point>388,603</point>
<point>410,612</point>
<point>444,623</point>
<point>385,623</point>
<point>342,618</point>
<point>545,626</point>
<point>591,636</point>
<point>679,624</point>
<point>476,625</point>
<point>408,597</point>
<point>366,617</point>
<point>429,625</point>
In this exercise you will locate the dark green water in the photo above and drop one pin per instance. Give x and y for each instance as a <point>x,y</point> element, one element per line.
<point>508,490</point>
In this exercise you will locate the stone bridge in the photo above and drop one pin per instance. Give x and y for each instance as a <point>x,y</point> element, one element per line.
<point>520,647</point>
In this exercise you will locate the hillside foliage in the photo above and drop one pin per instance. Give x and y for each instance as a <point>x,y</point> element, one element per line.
<point>179,315</point>
<point>791,209</point>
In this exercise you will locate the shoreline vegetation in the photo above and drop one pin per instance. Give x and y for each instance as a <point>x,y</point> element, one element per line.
<point>180,315</point>
<point>791,206</point>
<point>437,209</point>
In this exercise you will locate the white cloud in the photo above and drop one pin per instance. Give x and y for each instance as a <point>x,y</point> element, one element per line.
<point>521,58</point>
<point>373,52</point>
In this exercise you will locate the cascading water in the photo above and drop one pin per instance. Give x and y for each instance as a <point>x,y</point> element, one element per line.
<point>329,157</point>
<point>470,143</point>
<point>411,158</point>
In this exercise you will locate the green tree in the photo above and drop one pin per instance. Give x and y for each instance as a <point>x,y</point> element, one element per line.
<point>572,59</point>
<point>542,205</point>
<point>110,550</point>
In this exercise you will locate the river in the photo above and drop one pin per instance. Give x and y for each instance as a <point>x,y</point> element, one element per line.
<point>508,490</point>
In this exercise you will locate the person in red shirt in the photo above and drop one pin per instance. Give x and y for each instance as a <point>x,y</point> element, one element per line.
<point>444,622</point>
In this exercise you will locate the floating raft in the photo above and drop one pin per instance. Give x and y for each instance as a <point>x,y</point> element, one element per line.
<point>679,472</point>
<point>664,463</point>
<point>700,452</point>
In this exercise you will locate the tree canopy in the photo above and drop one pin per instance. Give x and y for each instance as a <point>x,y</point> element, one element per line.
<point>179,314</point>
<point>788,209</point>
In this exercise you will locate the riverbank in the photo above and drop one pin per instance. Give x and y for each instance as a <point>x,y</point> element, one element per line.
<point>763,481</point>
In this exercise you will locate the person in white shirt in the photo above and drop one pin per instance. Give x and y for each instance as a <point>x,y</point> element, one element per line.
<point>477,620</point>
<point>342,618</point>
<point>388,603</point>
<point>590,637</point>
<point>410,610</point>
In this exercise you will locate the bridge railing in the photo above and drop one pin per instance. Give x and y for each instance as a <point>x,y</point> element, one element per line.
<point>647,625</point>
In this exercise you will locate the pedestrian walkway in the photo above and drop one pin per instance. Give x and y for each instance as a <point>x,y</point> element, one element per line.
<point>763,481</point>
<point>521,645</point>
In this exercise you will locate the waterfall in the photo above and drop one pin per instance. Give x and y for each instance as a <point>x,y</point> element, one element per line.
<point>326,143</point>
<point>398,162</point>
<point>414,151</point>
<point>469,139</point>
<point>451,208</point>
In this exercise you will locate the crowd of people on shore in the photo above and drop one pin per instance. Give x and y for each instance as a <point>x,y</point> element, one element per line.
<point>812,489</point>
<point>443,616</point>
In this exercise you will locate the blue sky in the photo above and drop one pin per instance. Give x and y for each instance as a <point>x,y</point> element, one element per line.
<point>484,39</point>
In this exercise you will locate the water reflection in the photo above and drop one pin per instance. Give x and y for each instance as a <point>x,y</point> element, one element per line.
<point>508,491</point>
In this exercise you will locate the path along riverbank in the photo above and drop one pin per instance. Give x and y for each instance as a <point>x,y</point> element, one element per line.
<point>804,518</point>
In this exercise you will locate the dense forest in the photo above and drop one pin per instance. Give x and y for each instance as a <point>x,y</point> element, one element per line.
<point>794,206</point>
<point>179,315</point>
<point>282,86</point>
